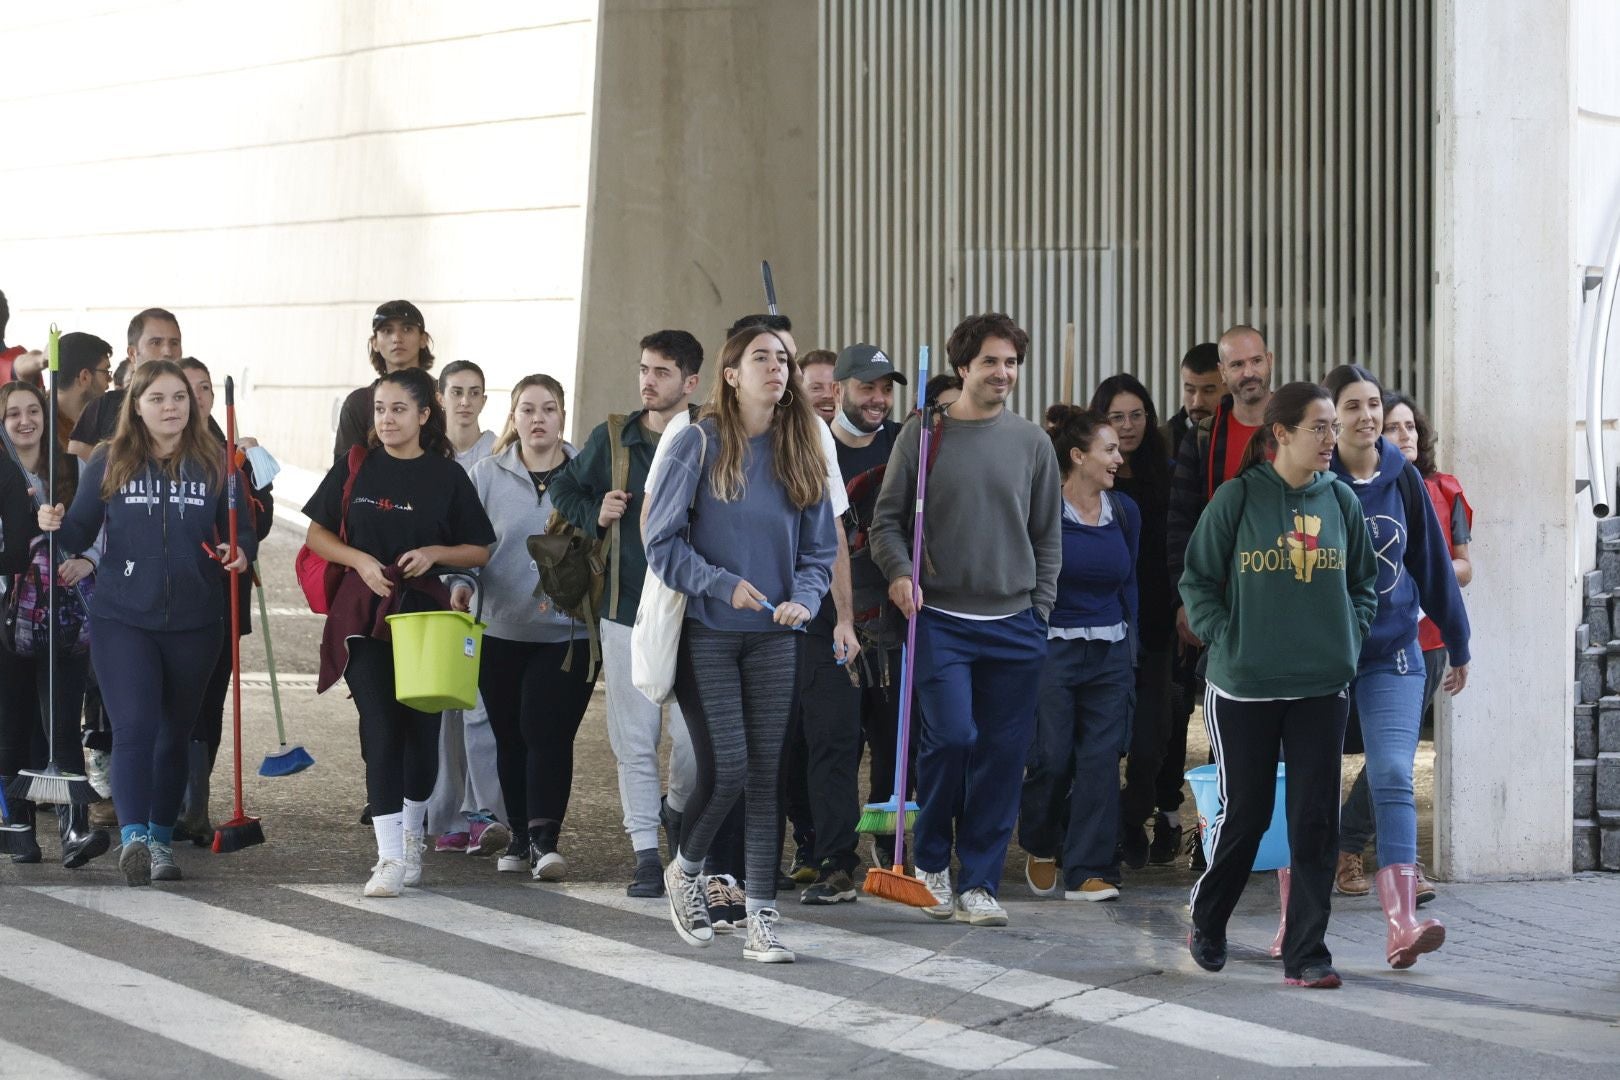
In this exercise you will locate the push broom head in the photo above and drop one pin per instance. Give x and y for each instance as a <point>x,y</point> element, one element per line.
<point>899,886</point>
<point>238,833</point>
<point>286,761</point>
<point>52,785</point>
<point>881,817</point>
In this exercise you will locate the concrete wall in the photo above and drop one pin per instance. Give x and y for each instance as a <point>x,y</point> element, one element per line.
<point>1505,331</point>
<point>272,174</point>
<point>704,164</point>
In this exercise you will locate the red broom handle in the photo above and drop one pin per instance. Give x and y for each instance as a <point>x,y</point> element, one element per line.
<point>236,597</point>
<point>908,681</point>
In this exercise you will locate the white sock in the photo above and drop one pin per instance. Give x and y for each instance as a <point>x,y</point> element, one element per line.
<point>757,906</point>
<point>415,817</point>
<point>688,867</point>
<point>390,837</point>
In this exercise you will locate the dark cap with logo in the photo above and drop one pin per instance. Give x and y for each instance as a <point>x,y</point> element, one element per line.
<point>865,363</point>
<point>397,311</point>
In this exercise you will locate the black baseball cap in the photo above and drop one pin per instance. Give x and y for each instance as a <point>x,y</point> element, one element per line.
<point>397,311</point>
<point>865,363</point>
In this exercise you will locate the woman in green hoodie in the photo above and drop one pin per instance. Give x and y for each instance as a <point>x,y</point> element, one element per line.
<point>1280,581</point>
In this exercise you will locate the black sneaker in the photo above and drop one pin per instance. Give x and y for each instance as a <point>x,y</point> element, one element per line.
<point>1207,953</point>
<point>835,887</point>
<point>1133,846</point>
<point>519,856</point>
<point>649,876</point>
<point>882,852</point>
<point>803,869</point>
<point>1315,977</point>
<point>1195,851</point>
<point>1166,840</point>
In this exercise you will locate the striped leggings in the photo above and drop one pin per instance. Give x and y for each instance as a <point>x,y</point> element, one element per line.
<point>736,691</point>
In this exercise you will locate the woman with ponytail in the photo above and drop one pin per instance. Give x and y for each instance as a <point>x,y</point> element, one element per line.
<point>1279,581</point>
<point>740,522</point>
<point>411,510</point>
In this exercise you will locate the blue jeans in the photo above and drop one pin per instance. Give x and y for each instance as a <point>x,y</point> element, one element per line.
<point>1071,803</point>
<point>976,683</point>
<point>1388,696</point>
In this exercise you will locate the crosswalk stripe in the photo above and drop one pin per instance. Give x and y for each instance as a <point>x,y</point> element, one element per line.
<point>937,1042</point>
<point>215,1026</point>
<point>1204,1031</point>
<point>21,1063</point>
<point>511,1017</point>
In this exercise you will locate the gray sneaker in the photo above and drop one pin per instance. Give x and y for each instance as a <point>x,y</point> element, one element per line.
<point>135,860</point>
<point>978,908</point>
<point>762,941</point>
<point>688,908</point>
<point>835,887</point>
<point>939,885</point>
<point>164,868</point>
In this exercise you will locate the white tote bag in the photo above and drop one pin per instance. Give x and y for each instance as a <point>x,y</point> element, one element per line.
<point>657,633</point>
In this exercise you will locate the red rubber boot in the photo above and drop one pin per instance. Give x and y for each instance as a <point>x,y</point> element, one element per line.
<point>1284,879</point>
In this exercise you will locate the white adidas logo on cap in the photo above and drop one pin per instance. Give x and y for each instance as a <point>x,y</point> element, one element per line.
<point>879,358</point>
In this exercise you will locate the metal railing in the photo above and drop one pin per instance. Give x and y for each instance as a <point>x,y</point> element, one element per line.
<point>1596,367</point>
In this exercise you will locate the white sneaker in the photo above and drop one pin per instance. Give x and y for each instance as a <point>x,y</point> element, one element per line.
<point>688,908</point>
<point>978,908</point>
<point>415,844</point>
<point>939,886</point>
<point>762,941</point>
<point>387,878</point>
<point>550,867</point>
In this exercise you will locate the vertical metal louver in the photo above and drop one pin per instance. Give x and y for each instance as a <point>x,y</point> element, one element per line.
<point>1151,170</point>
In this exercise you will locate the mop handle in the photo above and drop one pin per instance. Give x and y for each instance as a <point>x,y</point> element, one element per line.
<point>54,362</point>
<point>236,596</point>
<point>908,658</point>
<point>269,653</point>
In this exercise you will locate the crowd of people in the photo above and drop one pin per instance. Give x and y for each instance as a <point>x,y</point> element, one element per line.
<point>1287,558</point>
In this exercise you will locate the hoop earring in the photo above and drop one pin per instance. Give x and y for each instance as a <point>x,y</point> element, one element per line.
<point>787,399</point>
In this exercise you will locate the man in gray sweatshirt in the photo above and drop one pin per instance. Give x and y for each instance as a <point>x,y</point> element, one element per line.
<point>992,547</point>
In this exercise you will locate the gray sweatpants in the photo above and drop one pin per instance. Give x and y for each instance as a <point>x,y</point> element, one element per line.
<point>468,782</point>
<point>634,725</point>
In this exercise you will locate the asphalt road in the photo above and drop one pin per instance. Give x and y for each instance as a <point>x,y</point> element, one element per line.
<point>268,962</point>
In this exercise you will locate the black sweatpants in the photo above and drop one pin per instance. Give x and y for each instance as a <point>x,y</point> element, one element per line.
<point>153,682</point>
<point>1150,739</point>
<point>535,708</point>
<point>25,712</point>
<point>829,714</point>
<point>401,743</point>
<point>1246,737</point>
<point>736,690</point>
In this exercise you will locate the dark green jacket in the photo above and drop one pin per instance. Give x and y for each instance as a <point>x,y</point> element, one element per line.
<point>577,493</point>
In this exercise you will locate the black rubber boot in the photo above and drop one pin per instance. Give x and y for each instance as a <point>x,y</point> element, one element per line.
<point>193,823</point>
<point>80,843</point>
<point>25,848</point>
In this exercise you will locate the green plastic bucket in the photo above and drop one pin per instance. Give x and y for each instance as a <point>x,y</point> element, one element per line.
<point>436,655</point>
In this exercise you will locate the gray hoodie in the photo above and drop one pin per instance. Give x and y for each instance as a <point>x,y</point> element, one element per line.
<point>511,610</point>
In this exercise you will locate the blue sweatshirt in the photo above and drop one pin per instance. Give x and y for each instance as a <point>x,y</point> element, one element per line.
<point>784,552</point>
<point>1097,584</point>
<point>154,573</point>
<point>1414,563</point>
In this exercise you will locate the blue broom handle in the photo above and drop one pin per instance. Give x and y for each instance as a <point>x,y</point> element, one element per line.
<point>909,656</point>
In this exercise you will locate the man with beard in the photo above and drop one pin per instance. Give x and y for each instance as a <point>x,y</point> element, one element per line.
<point>1206,458</point>
<point>154,334</point>
<point>593,498</point>
<point>993,548</point>
<point>832,711</point>
<point>1201,389</point>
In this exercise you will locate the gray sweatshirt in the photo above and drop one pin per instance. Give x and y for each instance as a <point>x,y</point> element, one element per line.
<point>784,552</point>
<point>993,524</point>
<point>518,512</point>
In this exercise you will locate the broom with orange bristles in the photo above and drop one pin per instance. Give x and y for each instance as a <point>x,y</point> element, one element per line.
<point>895,884</point>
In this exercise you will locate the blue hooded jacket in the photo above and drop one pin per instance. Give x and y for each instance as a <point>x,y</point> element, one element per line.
<point>154,573</point>
<point>1414,565</point>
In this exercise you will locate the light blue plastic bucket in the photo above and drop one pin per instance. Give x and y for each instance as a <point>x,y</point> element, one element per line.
<point>1206,789</point>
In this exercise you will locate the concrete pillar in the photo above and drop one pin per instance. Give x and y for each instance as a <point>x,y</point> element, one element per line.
<point>704,163</point>
<point>1506,377</point>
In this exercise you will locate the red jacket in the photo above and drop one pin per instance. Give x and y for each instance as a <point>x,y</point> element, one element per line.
<point>1444,492</point>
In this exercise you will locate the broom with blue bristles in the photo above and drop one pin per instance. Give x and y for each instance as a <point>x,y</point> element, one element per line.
<point>52,784</point>
<point>895,884</point>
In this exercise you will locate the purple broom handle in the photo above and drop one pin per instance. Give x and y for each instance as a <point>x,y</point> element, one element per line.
<point>909,668</point>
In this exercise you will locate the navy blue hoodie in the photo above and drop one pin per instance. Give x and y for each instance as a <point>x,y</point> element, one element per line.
<point>154,573</point>
<point>1414,563</point>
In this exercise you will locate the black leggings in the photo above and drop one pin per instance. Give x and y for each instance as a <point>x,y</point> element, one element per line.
<point>535,708</point>
<point>153,682</point>
<point>24,694</point>
<point>401,743</point>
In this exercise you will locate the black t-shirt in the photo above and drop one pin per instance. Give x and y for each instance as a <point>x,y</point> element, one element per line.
<point>854,460</point>
<point>99,420</point>
<point>399,505</point>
